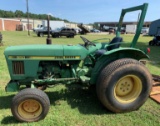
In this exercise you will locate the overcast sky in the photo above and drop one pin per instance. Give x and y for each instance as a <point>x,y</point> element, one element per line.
<point>84,11</point>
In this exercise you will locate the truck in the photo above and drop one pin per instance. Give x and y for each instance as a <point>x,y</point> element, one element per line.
<point>84,29</point>
<point>131,29</point>
<point>43,31</point>
<point>68,32</point>
<point>54,24</point>
<point>123,83</point>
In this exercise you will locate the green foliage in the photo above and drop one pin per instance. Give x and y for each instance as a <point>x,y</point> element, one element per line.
<point>21,14</point>
<point>72,105</point>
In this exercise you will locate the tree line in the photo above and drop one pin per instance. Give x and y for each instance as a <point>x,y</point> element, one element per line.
<point>21,14</point>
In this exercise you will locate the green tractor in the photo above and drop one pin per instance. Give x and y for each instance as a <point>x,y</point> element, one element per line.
<point>122,82</point>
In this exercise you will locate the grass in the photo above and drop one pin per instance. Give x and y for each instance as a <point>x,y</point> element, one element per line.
<point>77,106</point>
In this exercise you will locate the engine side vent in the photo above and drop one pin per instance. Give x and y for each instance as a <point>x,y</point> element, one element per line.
<point>18,67</point>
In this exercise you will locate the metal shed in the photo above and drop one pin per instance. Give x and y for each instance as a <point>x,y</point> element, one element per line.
<point>154,28</point>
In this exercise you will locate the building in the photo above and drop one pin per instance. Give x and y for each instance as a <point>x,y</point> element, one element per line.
<point>25,25</point>
<point>154,28</point>
<point>7,24</point>
<point>101,25</point>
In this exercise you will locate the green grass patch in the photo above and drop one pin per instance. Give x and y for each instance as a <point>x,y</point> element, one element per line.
<point>77,106</point>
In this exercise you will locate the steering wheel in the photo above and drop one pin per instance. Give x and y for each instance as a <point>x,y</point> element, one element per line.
<point>87,42</point>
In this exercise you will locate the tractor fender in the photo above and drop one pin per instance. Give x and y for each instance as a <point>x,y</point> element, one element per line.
<point>113,55</point>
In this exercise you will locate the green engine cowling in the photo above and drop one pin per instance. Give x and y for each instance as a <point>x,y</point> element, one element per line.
<point>27,58</point>
<point>48,63</point>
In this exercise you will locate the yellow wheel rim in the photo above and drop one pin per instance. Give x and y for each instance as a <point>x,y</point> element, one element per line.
<point>127,89</point>
<point>30,109</point>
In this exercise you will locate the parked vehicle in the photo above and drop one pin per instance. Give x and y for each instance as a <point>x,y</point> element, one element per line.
<point>155,41</point>
<point>111,31</point>
<point>38,27</point>
<point>95,31</point>
<point>68,32</point>
<point>77,30</point>
<point>54,24</point>
<point>42,31</point>
<point>122,82</point>
<point>106,28</point>
<point>131,29</point>
<point>144,30</point>
<point>123,31</point>
<point>84,29</point>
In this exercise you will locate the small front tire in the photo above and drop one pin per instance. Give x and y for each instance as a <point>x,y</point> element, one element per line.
<point>30,105</point>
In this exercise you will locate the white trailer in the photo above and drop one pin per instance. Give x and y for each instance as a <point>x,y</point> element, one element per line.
<point>131,29</point>
<point>54,24</point>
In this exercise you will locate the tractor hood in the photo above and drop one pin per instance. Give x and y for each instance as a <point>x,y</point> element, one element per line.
<point>56,51</point>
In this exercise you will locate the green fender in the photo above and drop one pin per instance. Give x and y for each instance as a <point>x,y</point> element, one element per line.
<point>113,55</point>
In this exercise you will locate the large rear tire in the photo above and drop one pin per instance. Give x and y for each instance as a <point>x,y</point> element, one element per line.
<point>124,85</point>
<point>30,105</point>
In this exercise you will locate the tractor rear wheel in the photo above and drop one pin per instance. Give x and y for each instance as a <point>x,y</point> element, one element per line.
<point>30,105</point>
<point>124,85</point>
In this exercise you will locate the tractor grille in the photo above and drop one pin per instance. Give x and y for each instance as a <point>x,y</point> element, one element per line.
<point>18,67</point>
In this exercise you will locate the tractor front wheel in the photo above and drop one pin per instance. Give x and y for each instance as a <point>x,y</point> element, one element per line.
<point>124,85</point>
<point>30,105</point>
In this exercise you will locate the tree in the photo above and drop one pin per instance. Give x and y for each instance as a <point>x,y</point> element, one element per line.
<point>19,14</point>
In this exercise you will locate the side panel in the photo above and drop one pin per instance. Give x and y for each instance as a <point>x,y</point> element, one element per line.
<point>22,69</point>
<point>112,56</point>
<point>74,52</point>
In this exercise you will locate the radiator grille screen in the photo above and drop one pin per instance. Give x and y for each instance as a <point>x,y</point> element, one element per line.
<point>18,67</point>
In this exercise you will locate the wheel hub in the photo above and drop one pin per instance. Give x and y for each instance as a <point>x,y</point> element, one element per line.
<point>128,88</point>
<point>30,106</point>
<point>124,87</point>
<point>30,109</point>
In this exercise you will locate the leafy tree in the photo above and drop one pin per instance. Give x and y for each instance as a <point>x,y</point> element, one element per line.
<point>21,14</point>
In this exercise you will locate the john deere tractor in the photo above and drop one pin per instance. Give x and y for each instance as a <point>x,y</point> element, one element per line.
<point>122,82</point>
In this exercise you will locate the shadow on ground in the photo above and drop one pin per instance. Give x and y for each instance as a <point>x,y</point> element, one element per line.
<point>9,120</point>
<point>5,101</point>
<point>83,98</point>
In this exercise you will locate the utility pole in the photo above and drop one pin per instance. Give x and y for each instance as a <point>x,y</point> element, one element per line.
<point>48,40</point>
<point>28,16</point>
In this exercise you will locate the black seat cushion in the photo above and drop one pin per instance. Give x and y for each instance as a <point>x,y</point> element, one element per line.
<point>115,43</point>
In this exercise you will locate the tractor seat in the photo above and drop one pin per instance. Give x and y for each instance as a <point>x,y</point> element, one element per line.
<point>115,43</point>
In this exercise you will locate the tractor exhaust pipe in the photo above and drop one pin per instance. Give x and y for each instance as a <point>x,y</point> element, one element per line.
<point>48,40</point>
